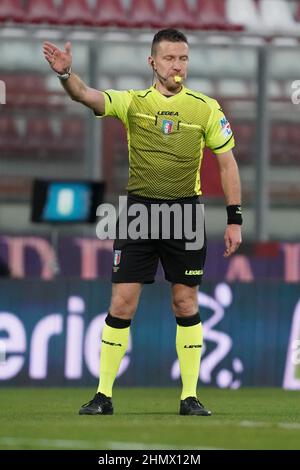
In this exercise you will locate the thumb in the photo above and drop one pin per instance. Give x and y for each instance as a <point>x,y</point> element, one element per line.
<point>68,47</point>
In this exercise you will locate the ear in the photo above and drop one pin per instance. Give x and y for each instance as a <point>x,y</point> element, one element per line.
<point>151,61</point>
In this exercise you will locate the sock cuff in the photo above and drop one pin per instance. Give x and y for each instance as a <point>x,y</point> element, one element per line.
<point>189,321</point>
<point>115,322</point>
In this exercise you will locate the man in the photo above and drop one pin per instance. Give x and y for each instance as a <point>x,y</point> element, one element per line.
<point>167,126</point>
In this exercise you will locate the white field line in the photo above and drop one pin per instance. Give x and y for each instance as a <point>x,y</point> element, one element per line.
<point>119,445</point>
<point>81,444</point>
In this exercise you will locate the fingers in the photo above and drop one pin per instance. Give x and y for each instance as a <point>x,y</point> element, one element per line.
<point>68,47</point>
<point>49,57</point>
<point>49,51</point>
<point>49,44</point>
<point>50,48</point>
<point>228,252</point>
<point>232,239</point>
<point>231,248</point>
<point>227,245</point>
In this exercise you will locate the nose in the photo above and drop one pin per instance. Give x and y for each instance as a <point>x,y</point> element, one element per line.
<point>177,67</point>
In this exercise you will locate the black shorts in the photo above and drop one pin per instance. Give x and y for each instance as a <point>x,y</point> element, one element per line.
<point>136,260</point>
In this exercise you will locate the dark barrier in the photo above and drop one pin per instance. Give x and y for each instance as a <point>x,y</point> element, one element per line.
<point>90,258</point>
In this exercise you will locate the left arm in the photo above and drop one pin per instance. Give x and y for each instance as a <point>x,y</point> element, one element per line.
<point>231,185</point>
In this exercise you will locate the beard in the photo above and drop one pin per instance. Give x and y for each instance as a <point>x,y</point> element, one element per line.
<point>173,86</point>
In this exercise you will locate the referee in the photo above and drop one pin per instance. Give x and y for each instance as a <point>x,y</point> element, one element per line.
<point>168,127</point>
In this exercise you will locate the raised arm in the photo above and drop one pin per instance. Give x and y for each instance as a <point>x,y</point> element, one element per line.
<point>61,62</point>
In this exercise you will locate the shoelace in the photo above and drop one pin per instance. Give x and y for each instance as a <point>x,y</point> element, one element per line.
<point>195,401</point>
<point>97,399</point>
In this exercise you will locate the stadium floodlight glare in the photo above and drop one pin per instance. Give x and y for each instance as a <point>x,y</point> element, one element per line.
<point>65,201</point>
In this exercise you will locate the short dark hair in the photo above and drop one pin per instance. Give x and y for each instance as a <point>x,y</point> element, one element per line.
<point>169,34</point>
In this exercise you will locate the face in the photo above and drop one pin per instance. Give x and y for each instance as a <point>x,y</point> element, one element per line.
<point>171,60</point>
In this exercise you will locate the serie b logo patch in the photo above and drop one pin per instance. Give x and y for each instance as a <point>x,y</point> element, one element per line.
<point>225,126</point>
<point>117,257</point>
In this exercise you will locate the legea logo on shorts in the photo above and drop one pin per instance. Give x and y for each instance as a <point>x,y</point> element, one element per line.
<point>156,221</point>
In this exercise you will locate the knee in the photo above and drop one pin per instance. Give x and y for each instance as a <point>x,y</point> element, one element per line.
<point>123,307</point>
<point>184,306</point>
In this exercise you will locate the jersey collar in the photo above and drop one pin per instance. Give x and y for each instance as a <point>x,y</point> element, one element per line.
<point>170,98</point>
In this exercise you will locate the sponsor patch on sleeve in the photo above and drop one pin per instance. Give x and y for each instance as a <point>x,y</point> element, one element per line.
<point>225,127</point>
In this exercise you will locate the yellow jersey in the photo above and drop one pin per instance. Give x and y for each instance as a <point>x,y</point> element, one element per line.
<point>166,137</point>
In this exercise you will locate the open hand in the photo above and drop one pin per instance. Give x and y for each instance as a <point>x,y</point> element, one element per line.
<point>232,238</point>
<point>60,61</point>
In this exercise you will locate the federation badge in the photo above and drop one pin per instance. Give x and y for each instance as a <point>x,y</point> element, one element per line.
<point>117,257</point>
<point>167,126</point>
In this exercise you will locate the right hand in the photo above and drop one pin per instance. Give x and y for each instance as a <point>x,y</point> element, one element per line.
<point>60,61</point>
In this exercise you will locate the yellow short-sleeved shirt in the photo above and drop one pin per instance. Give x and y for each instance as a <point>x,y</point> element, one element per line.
<point>166,137</point>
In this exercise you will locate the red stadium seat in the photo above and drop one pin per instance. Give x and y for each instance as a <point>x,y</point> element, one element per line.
<point>42,11</point>
<point>294,142</point>
<point>144,14</point>
<point>297,14</point>
<point>73,129</point>
<point>76,12</point>
<point>294,134</point>
<point>25,89</point>
<point>12,10</point>
<point>9,137</point>
<point>73,137</point>
<point>33,82</point>
<point>177,14</point>
<point>110,13</point>
<point>210,176</point>
<point>40,139</point>
<point>211,14</point>
<point>39,129</point>
<point>244,134</point>
<point>280,144</point>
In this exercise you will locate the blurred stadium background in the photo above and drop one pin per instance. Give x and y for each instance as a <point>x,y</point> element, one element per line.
<point>54,289</point>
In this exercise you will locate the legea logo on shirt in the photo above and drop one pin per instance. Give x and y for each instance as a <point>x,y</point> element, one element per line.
<point>225,126</point>
<point>167,126</point>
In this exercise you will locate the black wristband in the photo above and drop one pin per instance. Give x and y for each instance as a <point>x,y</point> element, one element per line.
<point>234,215</point>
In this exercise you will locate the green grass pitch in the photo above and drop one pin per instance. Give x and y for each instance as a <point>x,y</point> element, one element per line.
<point>147,418</point>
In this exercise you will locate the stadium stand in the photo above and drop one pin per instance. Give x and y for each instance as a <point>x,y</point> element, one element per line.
<point>280,149</point>
<point>12,11</point>
<point>72,137</point>
<point>226,70</point>
<point>220,15</point>
<point>110,13</point>
<point>211,14</point>
<point>233,88</point>
<point>39,138</point>
<point>243,13</point>
<point>76,12</point>
<point>144,14</point>
<point>28,91</point>
<point>42,11</point>
<point>276,15</point>
<point>244,133</point>
<point>9,137</point>
<point>177,13</point>
<point>129,82</point>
